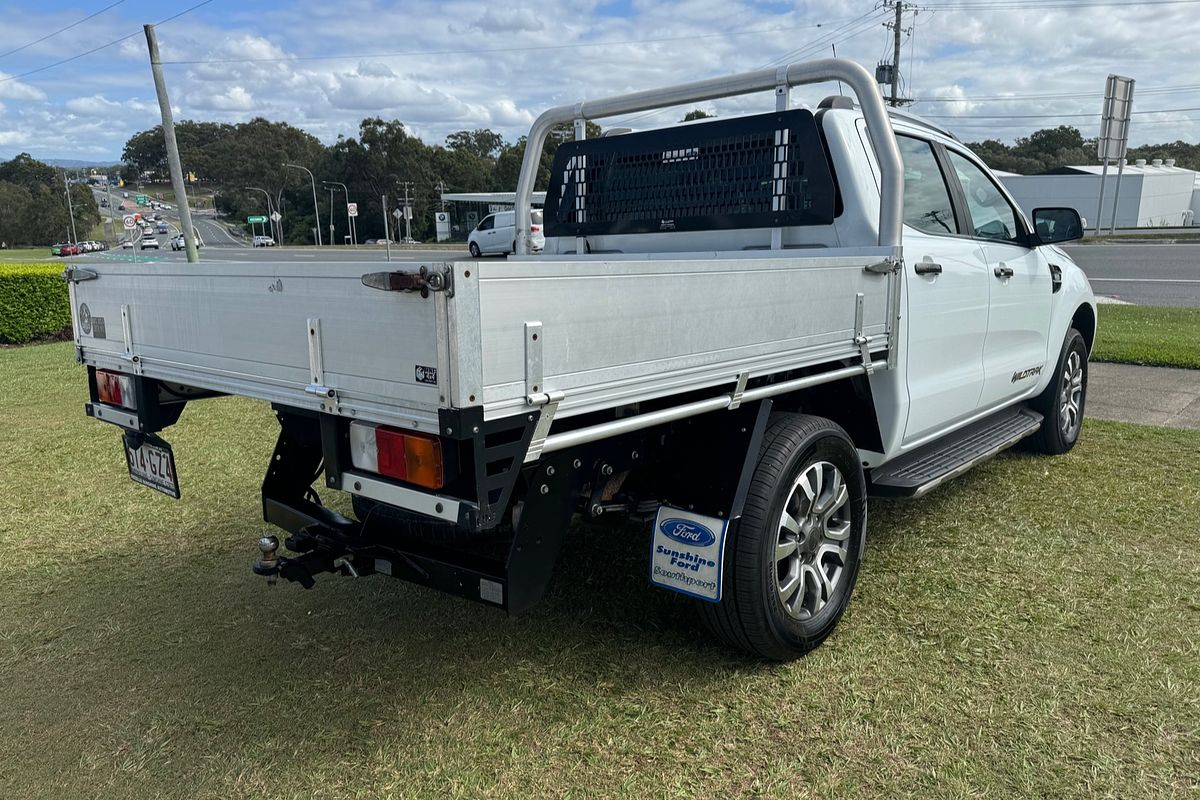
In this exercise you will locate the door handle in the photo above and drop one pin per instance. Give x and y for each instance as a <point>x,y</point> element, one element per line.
<point>927,268</point>
<point>1003,271</point>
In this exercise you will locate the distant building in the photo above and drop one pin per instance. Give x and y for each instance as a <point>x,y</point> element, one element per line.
<point>1153,195</point>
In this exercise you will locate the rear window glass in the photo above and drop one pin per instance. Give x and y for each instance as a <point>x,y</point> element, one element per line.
<point>752,172</point>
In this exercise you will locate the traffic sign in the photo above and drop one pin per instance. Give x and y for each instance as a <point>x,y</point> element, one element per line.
<point>256,220</point>
<point>276,216</point>
<point>129,222</point>
<point>140,199</point>
<point>397,213</point>
<point>352,209</point>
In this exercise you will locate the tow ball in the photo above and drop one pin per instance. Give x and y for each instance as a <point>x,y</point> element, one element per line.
<point>268,563</point>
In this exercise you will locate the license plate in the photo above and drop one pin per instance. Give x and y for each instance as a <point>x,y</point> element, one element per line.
<point>152,463</point>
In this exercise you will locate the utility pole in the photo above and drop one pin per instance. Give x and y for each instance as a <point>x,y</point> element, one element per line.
<point>897,28</point>
<point>168,124</point>
<point>316,211</point>
<point>387,236</point>
<point>70,208</point>
<point>331,239</point>
<point>112,220</point>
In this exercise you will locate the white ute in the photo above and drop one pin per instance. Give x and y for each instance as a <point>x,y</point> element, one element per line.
<point>740,328</point>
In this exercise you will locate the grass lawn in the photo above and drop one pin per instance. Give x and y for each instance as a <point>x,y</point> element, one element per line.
<point>1153,335</point>
<point>24,255</point>
<point>1030,630</point>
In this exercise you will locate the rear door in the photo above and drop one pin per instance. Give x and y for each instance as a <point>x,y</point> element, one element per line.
<point>1020,292</point>
<point>947,298</point>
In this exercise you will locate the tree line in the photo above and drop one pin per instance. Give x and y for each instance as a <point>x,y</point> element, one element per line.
<point>383,159</point>
<point>386,158</point>
<point>33,204</point>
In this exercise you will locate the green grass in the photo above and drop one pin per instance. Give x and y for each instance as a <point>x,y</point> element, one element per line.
<point>23,255</point>
<point>1030,630</point>
<point>1152,335</point>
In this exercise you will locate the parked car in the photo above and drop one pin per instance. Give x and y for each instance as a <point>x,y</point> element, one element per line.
<point>148,241</point>
<point>57,249</point>
<point>263,241</point>
<point>178,244</point>
<point>497,234</point>
<point>70,249</point>
<point>744,356</point>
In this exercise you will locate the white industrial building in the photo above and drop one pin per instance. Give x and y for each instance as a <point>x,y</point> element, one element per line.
<point>1153,195</point>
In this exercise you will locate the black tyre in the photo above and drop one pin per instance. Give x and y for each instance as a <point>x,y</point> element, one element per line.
<point>1062,402</point>
<point>474,248</point>
<point>792,559</point>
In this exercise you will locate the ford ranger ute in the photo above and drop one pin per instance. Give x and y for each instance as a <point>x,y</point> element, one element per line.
<point>741,328</point>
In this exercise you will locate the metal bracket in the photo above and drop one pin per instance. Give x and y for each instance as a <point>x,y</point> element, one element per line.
<point>885,267</point>
<point>127,334</point>
<point>533,362</point>
<point>316,368</point>
<point>863,341</point>
<point>542,429</point>
<point>739,390</point>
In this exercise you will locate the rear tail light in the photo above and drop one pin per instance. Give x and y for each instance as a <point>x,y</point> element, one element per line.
<point>410,457</point>
<point>116,389</point>
<point>534,228</point>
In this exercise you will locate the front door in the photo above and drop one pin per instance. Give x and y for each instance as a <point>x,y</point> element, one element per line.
<point>1015,351</point>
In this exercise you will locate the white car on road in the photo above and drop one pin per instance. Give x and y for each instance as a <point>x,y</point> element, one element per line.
<point>497,233</point>
<point>264,241</point>
<point>148,241</point>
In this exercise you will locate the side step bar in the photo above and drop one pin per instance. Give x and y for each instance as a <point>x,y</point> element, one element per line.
<point>916,473</point>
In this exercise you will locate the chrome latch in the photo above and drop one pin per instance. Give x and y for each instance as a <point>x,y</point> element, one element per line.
<point>885,267</point>
<point>78,274</point>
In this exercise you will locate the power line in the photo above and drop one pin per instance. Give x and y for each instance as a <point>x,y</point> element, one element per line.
<point>1051,116</point>
<point>78,56</point>
<point>7,53</point>
<point>476,50</point>
<point>1004,5</point>
<point>1054,96</point>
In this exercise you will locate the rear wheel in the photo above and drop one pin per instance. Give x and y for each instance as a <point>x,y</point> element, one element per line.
<point>792,559</point>
<point>474,248</point>
<point>1062,403</point>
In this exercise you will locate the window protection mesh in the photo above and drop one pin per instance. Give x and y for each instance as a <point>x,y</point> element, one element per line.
<point>753,172</point>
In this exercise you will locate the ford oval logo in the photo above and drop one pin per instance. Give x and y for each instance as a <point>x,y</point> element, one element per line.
<point>687,532</point>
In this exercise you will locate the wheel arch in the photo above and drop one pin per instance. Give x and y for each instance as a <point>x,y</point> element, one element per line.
<point>1084,321</point>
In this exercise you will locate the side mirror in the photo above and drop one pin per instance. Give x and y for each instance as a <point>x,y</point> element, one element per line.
<point>1053,225</point>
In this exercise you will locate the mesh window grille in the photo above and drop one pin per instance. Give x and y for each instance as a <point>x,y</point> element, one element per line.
<point>762,171</point>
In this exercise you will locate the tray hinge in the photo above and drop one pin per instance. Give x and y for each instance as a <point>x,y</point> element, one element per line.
<point>863,341</point>
<point>885,267</point>
<point>79,274</point>
<point>316,368</point>
<point>549,405</point>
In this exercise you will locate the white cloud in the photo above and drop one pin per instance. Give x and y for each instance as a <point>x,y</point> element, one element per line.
<point>16,90</point>
<point>235,98</point>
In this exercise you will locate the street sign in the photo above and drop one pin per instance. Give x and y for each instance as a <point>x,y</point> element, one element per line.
<point>397,213</point>
<point>1114,118</point>
<point>140,199</point>
<point>276,216</point>
<point>408,212</point>
<point>352,209</point>
<point>129,222</point>
<point>256,220</point>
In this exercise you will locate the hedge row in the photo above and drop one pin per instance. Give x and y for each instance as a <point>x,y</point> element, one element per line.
<point>33,302</point>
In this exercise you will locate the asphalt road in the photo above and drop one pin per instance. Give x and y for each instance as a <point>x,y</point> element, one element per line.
<point>1143,274</point>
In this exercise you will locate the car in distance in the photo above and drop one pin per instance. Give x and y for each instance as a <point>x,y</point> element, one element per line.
<point>127,244</point>
<point>497,234</point>
<point>149,241</point>
<point>263,241</point>
<point>177,242</point>
<point>57,249</point>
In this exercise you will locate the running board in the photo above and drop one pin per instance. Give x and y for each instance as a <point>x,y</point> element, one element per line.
<point>916,473</point>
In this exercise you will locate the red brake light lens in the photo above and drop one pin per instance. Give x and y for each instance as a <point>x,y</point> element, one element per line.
<point>410,457</point>
<point>115,389</point>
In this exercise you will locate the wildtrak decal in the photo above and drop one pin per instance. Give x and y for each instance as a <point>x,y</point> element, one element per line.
<point>1027,373</point>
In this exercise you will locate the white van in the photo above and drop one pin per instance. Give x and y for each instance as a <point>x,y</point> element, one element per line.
<point>497,233</point>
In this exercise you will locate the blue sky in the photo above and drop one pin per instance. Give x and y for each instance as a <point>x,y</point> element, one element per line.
<point>445,66</point>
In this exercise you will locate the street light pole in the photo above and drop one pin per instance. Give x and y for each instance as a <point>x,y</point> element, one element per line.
<point>332,241</point>
<point>70,208</point>
<point>270,209</point>
<point>316,210</point>
<point>349,219</point>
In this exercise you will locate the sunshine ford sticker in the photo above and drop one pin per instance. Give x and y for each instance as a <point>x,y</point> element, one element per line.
<point>687,551</point>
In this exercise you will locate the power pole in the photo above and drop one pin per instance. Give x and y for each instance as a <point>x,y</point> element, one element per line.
<point>897,28</point>
<point>407,212</point>
<point>168,125</point>
<point>70,208</point>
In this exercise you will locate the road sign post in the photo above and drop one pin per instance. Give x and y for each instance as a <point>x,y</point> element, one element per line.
<point>1114,138</point>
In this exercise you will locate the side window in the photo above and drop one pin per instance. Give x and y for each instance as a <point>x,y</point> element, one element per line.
<point>926,198</point>
<point>486,225</point>
<point>991,215</point>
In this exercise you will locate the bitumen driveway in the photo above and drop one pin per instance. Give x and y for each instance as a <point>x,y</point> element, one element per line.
<point>1145,395</point>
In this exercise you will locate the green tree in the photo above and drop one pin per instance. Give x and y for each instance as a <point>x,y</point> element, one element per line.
<point>697,113</point>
